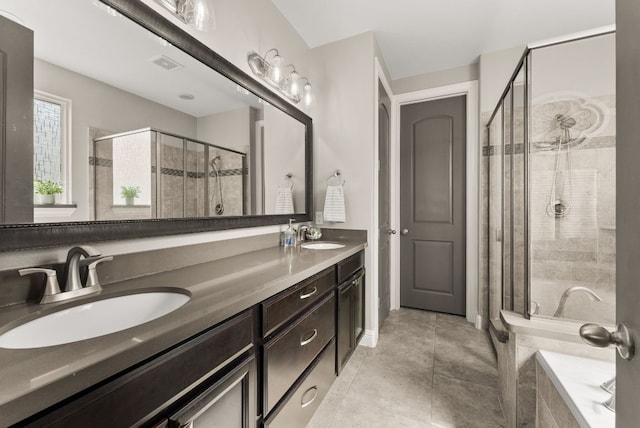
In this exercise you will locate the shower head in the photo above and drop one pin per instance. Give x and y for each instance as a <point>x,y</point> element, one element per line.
<point>565,122</point>
<point>214,163</point>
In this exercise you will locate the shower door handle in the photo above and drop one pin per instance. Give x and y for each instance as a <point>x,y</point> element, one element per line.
<point>600,337</point>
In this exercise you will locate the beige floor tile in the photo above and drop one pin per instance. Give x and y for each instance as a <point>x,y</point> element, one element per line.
<point>461,404</point>
<point>474,364</point>
<point>456,330</point>
<point>353,413</point>
<point>428,370</point>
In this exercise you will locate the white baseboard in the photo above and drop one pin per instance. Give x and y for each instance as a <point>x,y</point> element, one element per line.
<point>369,338</point>
<point>479,322</point>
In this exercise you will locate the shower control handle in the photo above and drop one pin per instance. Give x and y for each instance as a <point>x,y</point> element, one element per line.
<point>404,231</point>
<point>600,337</point>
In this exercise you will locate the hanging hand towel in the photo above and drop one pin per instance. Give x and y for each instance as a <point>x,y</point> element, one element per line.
<point>284,201</point>
<point>334,209</point>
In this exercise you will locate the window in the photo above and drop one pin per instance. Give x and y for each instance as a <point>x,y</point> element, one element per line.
<point>52,142</point>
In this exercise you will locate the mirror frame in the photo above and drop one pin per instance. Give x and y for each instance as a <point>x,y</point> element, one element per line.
<point>47,235</point>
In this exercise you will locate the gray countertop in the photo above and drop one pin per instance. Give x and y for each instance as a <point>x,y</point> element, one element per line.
<point>34,379</point>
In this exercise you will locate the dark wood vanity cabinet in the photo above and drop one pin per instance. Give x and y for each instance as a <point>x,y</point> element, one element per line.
<point>269,366</point>
<point>299,326</point>
<point>217,367</point>
<point>350,297</point>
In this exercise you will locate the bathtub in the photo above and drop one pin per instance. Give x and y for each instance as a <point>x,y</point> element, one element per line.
<point>577,380</point>
<point>517,340</point>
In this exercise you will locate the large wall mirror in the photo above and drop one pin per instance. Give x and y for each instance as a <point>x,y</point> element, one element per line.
<point>146,131</point>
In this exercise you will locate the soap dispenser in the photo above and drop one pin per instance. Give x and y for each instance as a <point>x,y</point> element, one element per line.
<point>289,235</point>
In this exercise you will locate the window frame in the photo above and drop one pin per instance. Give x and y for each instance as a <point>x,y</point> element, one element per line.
<point>66,141</point>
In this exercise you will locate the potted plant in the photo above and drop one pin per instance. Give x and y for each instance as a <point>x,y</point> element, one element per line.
<point>129,194</point>
<point>46,191</point>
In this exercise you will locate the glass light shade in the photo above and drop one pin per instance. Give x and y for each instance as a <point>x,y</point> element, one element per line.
<point>276,69</point>
<point>294,83</point>
<point>308,98</point>
<point>194,12</point>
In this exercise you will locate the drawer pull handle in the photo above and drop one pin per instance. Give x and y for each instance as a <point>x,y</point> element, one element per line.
<point>314,390</point>
<point>309,294</point>
<point>314,334</point>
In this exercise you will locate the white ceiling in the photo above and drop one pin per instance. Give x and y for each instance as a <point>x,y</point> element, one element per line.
<point>81,37</point>
<point>420,36</point>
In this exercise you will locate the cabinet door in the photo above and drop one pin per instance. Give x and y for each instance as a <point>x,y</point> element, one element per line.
<point>228,403</point>
<point>345,334</point>
<point>357,294</point>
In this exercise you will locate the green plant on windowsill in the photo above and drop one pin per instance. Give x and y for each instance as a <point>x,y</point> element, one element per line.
<point>129,194</point>
<point>46,191</point>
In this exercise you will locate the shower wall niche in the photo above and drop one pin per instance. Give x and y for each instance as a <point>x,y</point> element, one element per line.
<point>551,169</point>
<point>170,176</point>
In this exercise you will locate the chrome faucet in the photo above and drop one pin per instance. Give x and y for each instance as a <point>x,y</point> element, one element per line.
<point>563,300</point>
<point>73,284</point>
<point>72,266</point>
<point>302,232</point>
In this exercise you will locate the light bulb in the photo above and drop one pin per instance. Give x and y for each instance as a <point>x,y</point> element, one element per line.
<point>276,73</point>
<point>294,86</point>
<point>200,18</point>
<point>308,98</point>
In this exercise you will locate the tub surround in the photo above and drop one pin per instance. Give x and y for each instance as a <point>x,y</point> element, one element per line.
<point>33,380</point>
<point>517,363</point>
<point>569,393</point>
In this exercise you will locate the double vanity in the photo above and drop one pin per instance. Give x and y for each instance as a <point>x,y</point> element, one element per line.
<point>259,341</point>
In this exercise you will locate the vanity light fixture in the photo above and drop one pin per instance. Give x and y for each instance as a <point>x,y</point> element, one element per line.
<point>192,12</point>
<point>288,83</point>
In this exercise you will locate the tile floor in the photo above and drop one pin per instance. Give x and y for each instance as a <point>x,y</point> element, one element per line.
<point>428,370</point>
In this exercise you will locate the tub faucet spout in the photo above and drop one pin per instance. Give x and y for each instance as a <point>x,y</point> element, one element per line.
<point>563,300</point>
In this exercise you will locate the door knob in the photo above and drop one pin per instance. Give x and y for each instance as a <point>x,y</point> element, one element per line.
<point>391,232</point>
<point>600,337</point>
<point>405,231</point>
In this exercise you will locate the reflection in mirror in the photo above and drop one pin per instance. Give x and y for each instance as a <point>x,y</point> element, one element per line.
<point>150,131</point>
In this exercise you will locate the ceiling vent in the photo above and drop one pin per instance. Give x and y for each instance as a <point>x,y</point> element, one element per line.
<point>166,63</point>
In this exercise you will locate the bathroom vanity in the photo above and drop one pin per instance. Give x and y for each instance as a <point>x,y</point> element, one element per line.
<point>258,344</point>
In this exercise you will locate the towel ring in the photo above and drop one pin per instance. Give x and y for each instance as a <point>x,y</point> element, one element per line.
<point>287,181</point>
<point>336,176</point>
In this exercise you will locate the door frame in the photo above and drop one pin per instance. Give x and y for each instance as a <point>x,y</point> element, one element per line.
<point>470,89</point>
<point>370,337</point>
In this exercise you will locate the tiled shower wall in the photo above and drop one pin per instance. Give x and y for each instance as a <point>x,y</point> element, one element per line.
<point>577,250</point>
<point>173,182</point>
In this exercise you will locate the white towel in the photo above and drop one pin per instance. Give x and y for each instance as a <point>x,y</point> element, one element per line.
<point>334,209</point>
<point>284,201</point>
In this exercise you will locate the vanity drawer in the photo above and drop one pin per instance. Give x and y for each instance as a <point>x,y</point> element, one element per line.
<point>138,397</point>
<point>281,307</point>
<point>349,266</point>
<point>287,355</point>
<point>303,400</point>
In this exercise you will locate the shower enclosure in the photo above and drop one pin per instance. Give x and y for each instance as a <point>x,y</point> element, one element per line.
<point>171,176</point>
<point>551,190</point>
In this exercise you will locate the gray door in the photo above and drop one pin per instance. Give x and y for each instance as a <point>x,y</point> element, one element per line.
<point>627,204</point>
<point>16,123</point>
<point>432,205</point>
<point>384,224</point>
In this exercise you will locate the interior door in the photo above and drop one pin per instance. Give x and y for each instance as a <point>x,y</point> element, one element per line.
<point>628,204</point>
<point>432,205</point>
<point>384,222</point>
<point>16,123</point>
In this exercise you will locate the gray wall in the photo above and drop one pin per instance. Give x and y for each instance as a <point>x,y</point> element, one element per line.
<point>434,79</point>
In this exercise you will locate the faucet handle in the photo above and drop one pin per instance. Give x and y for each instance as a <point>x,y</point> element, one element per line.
<point>51,287</point>
<point>92,279</point>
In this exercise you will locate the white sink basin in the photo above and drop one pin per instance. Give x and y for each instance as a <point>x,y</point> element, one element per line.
<point>322,245</point>
<point>94,319</point>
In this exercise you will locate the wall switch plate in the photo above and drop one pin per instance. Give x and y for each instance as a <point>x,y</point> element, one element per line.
<point>319,218</point>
